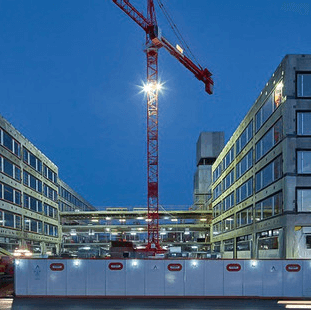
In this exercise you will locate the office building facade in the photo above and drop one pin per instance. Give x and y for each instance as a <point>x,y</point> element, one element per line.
<point>29,195</point>
<point>261,181</point>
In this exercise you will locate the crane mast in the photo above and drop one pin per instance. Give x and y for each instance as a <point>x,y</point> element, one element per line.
<point>154,41</point>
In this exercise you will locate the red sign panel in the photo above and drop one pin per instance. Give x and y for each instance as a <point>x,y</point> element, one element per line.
<point>174,267</point>
<point>115,266</point>
<point>233,267</point>
<point>293,268</point>
<point>57,267</point>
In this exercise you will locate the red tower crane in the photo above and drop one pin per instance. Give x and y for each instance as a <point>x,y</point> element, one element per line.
<point>154,41</point>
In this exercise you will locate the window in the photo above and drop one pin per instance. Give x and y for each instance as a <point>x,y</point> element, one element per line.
<point>50,211</point>
<point>244,217</point>
<point>10,169</point>
<point>244,191</point>
<point>32,203</point>
<point>269,174</point>
<point>304,200</point>
<point>217,228</point>
<point>304,123</point>
<point>49,192</point>
<point>217,172</point>
<point>10,194</point>
<point>228,201</point>
<point>243,243</point>
<point>32,225</point>
<point>50,230</point>
<point>10,143</point>
<point>244,165</point>
<point>8,219</point>
<point>32,160</point>
<point>304,162</point>
<point>217,210</point>
<point>304,85</point>
<point>308,242</point>
<point>217,191</point>
<point>269,207</point>
<point>270,139</point>
<point>244,138</point>
<point>271,103</point>
<point>72,199</point>
<point>49,174</point>
<point>228,180</point>
<point>228,223</point>
<point>217,246</point>
<point>30,181</point>
<point>229,157</point>
<point>229,245</point>
<point>268,243</point>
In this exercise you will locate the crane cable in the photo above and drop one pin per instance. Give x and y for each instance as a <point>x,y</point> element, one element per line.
<point>177,32</point>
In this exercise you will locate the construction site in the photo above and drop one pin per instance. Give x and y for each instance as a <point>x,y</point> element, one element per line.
<point>248,228</point>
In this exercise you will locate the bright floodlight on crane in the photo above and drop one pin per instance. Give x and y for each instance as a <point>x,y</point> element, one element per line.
<point>152,87</point>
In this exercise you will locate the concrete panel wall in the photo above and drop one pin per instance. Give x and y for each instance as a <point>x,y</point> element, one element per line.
<point>153,277</point>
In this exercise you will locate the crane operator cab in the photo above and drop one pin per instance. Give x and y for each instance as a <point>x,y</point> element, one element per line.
<point>154,33</point>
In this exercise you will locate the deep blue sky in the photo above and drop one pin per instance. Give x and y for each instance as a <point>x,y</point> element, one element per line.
<point>69,80</point>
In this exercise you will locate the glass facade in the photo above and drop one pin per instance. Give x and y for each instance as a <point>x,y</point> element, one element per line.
<point>270,139</point>
<point>217,172</point>
<point>272,102</point>
<point>269,174</point>
<point>217,191</point>
<point>244,191</point>
<point>228,180</point>
<point>244,164</point>
<point>244,217</point>
<point>269,207</point>
<point>228,202</point>
<point>244,138</point>
<point>229,157</point>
